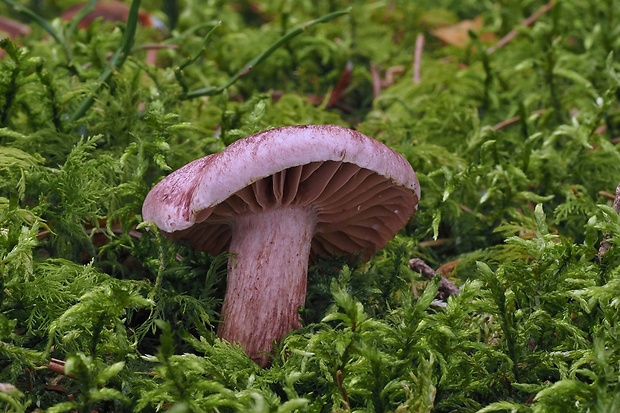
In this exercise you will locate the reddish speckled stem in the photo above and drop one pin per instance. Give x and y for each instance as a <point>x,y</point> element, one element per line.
<point>267,277</point>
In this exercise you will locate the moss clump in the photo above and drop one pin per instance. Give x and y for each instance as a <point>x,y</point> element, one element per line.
<point>514,146</point>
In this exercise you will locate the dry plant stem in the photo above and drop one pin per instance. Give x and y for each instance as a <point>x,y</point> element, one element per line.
<point>607,195</point>
<point>57,366</point>
<point>417,58</point>
<point>605,245</point>
<point>505,123</point>
<point>446,287</point>
<point>340,90</point>
<point>266,277</point>
<point>378,84</point>
<point>509,122</point>
<point>343,391</point>
<point>525,23</point>
<point>390,75</point>
<point>376,81</point>
<point>436,242</point>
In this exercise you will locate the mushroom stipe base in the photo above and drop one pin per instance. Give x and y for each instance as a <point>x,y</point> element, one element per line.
<point>267,277</point>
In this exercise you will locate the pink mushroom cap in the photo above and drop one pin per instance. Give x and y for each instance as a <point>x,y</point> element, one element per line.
<point>276,201</point>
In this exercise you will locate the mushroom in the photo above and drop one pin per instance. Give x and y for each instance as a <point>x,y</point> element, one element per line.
<point>276,201</point>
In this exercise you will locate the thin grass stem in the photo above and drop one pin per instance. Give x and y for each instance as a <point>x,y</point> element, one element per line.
<point>249,66</point>
<point>116,62</point>
<point>36,18</point>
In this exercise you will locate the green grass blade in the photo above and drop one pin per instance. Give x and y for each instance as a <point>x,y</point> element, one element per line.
<point>249,66</point>
<point>35,17</point>
<point>116,61</point>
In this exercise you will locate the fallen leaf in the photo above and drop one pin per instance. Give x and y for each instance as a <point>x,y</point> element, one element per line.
<point>458,34</point>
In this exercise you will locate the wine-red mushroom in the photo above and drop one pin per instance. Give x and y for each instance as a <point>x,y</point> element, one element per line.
<point>276,201</point>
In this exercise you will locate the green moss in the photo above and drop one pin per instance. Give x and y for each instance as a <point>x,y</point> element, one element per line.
<point>87,127</point>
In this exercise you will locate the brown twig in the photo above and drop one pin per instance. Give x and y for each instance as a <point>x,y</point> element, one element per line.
<point>525,23</point>
<point>379,84</point>
<point>376,81</point>
<point>340,89</point>
<point>417,57</point>
<point>436,242</point>
<point>343,391</point>
<point>607,195</point>
<point>509,122</point>
<point>605,245</point>
<point>390,75</point>
<point>505,123</point>
<point>446,287</point>
<point>57,366</point>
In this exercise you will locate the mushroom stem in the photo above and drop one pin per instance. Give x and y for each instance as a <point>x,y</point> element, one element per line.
<point>267,277</point>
